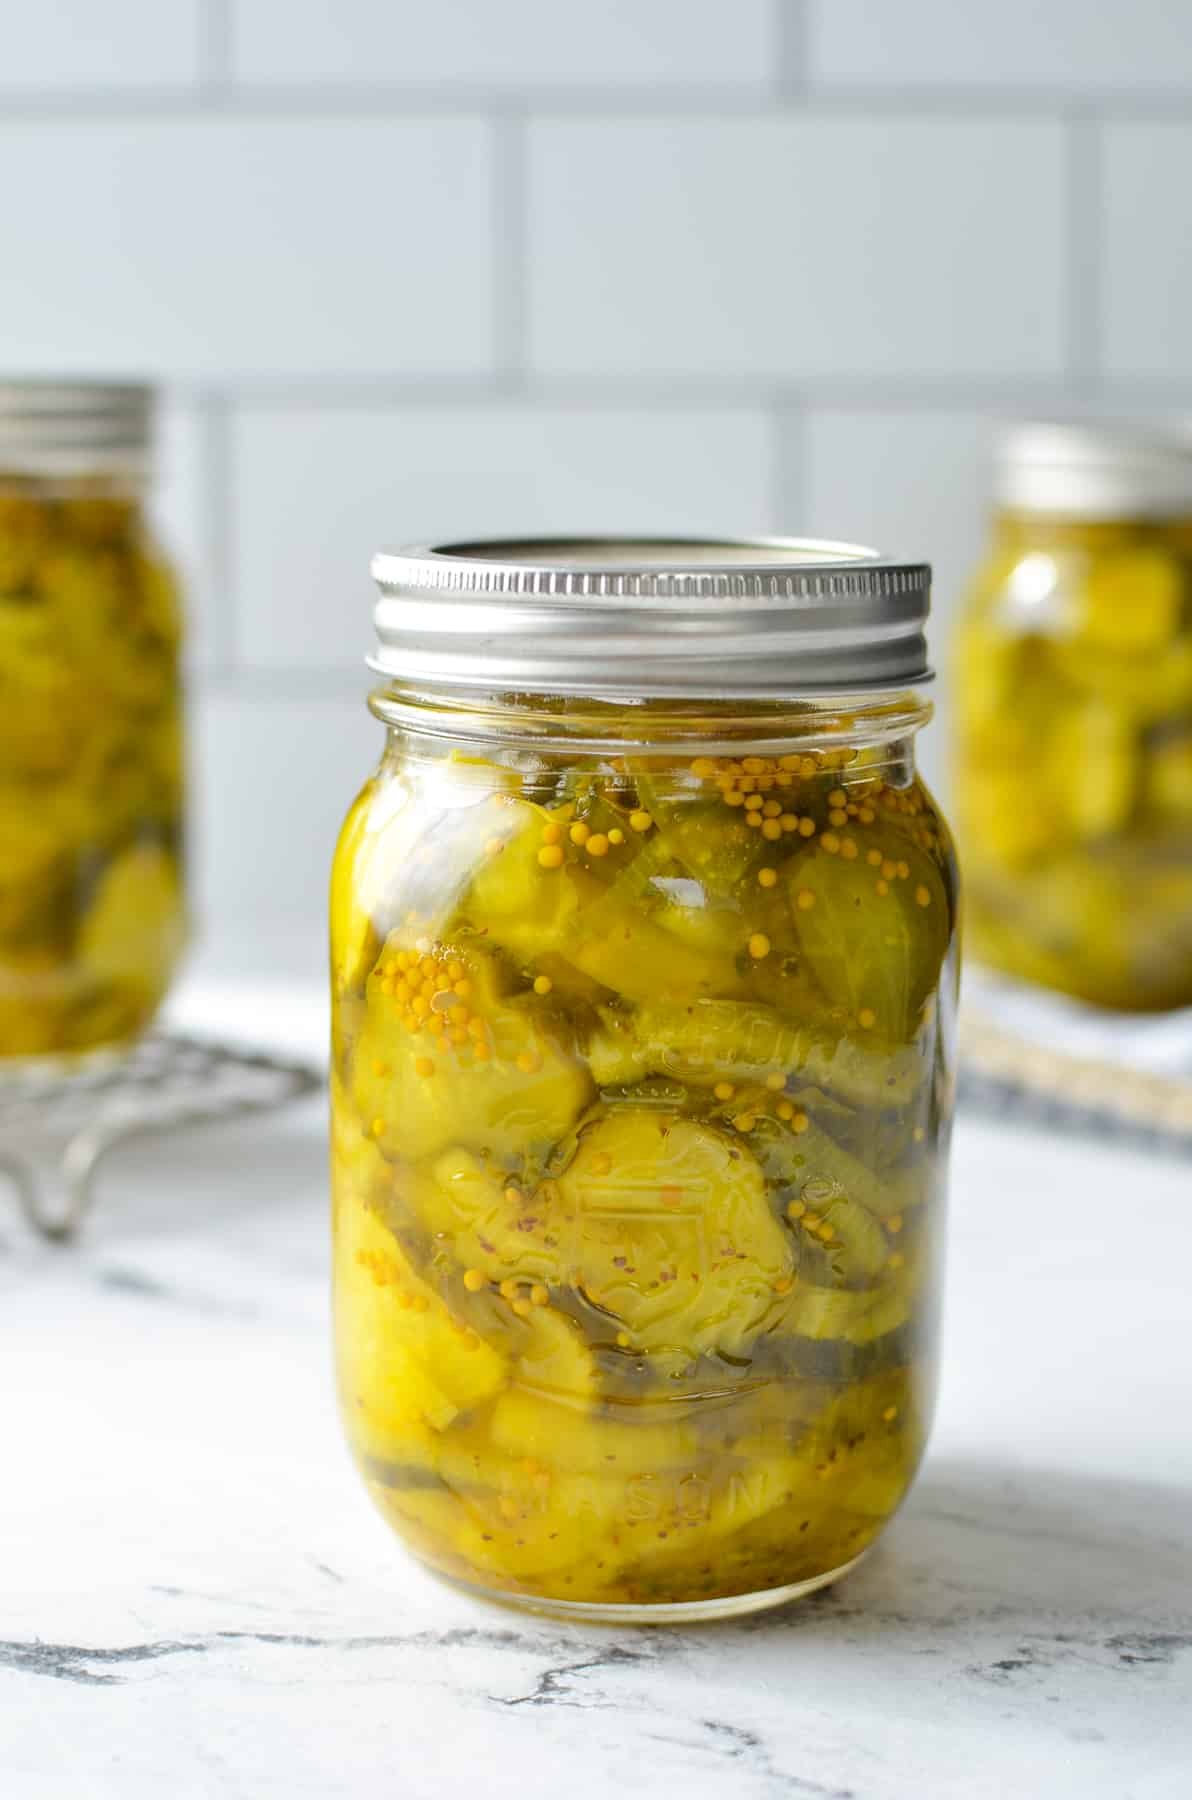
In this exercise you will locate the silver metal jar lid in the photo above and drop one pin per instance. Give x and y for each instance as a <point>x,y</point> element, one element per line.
<point>714,618</point>
<point>67,428</point>
<point>1089,471</point>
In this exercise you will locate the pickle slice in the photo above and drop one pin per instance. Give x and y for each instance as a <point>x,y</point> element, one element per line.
<point>673,1235</point>
<point>572,1437</point>
<point>718,852</point>
<point>1094,762</point>
<point>512,898</point>
<point>133,932</point>
<point>432,1066</point>
<point>828,1193</point>
<point>873,931</point>
<point>716,1040</point>
<point>488,1222</point>
<point>406,1361</point>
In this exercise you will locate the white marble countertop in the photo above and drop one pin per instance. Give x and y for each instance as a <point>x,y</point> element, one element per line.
<point>196,1599</point>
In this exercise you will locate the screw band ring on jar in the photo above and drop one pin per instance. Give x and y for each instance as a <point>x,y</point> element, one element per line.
<point>608,616</point>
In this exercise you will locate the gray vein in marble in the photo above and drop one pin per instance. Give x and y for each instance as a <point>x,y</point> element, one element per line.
<point>553,1687</point>
<point>739,1745</point>
<point>1160,1647</point>
<point>71,1662</point>
<point>325,1569</point>
<point>139,1286</point>
<point>743,1749</point>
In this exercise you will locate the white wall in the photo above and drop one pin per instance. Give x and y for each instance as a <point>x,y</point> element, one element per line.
<point>412,267</point>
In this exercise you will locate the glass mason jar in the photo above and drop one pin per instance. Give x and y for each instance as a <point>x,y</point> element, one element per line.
<point>644,975</point>
<point>91,910</point>
<point>1073,720</point>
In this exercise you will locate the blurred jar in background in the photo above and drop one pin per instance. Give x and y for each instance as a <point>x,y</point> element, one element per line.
<point>92,916</point>
<point>1073,708</point>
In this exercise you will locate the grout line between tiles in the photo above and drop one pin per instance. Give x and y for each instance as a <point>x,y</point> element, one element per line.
<point>215,49</point>
<point>510,251</point>
<point>218,519</point>
<point>677,392</point>
<point>609,392</point>
<point>788,469</point>
<point>792,58</point>
<point>218,92</point>
<point>1083,250</point>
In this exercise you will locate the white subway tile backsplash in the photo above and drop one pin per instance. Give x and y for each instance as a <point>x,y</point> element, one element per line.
<point>1061,44</point>
<point>317,491</point>
<point>224,246</point>
<point>181,510</point>
<point>646,44</point>
<point>1146,251</point>
<point>912,484</point>
<point>273,779</point>
<point>797,246</point>
<point>53,46</point>
<point>607,319</point>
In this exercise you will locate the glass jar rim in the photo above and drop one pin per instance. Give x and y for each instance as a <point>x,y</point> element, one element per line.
<point>651,725</point>
<point>639,617</point>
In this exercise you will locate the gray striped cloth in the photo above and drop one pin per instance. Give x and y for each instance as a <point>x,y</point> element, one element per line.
<point>1038,1057</point>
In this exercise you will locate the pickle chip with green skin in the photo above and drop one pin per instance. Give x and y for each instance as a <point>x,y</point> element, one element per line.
<point>710,1041</point>
<point>874,929</point>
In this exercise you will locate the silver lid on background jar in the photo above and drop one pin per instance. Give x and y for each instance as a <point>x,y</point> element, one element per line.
<point>67,427</point>
<point>1093,471</point>
<point>624,617</point>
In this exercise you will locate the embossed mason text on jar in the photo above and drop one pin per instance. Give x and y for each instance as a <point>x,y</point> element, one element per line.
<point>644,980</point>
